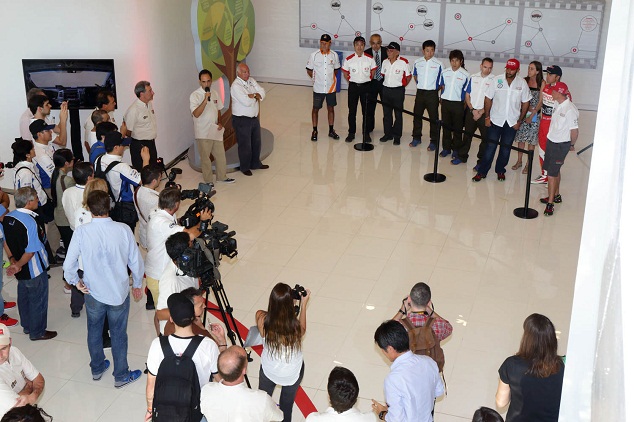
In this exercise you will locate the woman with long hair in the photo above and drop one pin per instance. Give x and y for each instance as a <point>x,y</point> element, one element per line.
<point>527,133</point>
<point>63,160</point>
<point>531,380</point>
<point>282,362</point>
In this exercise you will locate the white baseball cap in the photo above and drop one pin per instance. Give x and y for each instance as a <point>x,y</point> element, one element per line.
<point>5,335</point>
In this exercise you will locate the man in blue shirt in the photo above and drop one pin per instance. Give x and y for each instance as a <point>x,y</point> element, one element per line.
<point>107,250</point>
<point>99,148</point>
<point>29,263</point>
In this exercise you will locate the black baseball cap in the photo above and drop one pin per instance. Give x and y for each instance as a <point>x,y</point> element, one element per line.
<point>325,37</point>
<point>358,39</point>
<point>38,126</point>
<point>181,309</point>
<point>394,46</point>
<point>112,139</point>
<point>554,70</point>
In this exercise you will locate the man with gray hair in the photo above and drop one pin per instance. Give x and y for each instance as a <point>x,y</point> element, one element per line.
<point>231,399</point>
<point>29,263</point>
<point>141,124</point>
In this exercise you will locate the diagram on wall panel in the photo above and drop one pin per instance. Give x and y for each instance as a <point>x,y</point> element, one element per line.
<point>563,32</point>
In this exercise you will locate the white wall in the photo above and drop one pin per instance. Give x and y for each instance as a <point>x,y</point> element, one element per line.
<point>276,56</point>
<point>148,39</point>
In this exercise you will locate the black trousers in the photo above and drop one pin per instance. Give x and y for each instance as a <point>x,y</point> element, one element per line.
<point>452,116</point>
<point>393,99</point>
<point>135,152</point>
<point>470,127</point>
<point>375,91</point>
<point>249,141</point>
<point>357,92</point>
<point>426,100</point>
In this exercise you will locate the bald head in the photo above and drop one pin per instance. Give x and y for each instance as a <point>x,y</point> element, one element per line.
<point>243,71</point>
<point>232,364</point>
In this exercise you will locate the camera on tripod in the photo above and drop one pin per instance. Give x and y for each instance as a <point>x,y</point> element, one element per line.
<point>171,176</point>
<point>202,200</point>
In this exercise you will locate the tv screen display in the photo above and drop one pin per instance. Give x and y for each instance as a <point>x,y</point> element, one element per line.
<point>76,81</point>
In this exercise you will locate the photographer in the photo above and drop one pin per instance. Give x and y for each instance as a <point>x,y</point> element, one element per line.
<point>161,225</point>
<point>282,361</point>
<point>146,198</point>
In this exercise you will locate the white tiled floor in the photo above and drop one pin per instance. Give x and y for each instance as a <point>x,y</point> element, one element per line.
<point>359,229</point>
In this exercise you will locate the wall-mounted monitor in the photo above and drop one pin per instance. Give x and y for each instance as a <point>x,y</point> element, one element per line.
<point>74,80</point>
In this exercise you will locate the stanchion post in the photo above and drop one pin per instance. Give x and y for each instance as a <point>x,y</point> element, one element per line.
<point>525,212</point>
<point>363,145</point>
<point>435,177</point>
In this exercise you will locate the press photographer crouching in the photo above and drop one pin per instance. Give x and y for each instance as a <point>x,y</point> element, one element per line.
<point>282,361</point>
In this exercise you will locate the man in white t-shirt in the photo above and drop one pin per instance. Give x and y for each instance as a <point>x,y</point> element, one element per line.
<point>17,372</point>
<point>41,107</point>
<point>230,399</point>
<point>146,199</point>
<point>205,105</point>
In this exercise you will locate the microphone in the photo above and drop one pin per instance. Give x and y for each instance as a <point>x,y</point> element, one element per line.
<point>207,90</point>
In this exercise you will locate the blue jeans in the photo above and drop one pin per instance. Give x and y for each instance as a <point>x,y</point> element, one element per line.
<point>96,313</point>
<point>33,305</point>
<point>505,135</point>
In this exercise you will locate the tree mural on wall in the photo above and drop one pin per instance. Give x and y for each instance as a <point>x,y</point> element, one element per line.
<point>224,34</point>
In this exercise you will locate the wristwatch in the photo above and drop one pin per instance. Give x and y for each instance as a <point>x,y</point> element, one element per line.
<point>382,414</point>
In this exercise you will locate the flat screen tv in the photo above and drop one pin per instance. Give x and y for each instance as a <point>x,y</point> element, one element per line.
<point>74,80</point>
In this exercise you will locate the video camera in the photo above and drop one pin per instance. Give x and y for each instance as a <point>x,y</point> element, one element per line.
<point>298,293</point>
<point>171,176</point>
<point>202,200</point>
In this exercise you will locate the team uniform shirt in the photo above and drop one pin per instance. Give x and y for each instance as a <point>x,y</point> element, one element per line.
<point>28,177</point>
<point>54,147</point>
<point>71,201</point>
<point>548,103</point>
<point>17,370</point>
<point>89,126</point>
<point>172,281</point>
<point>25,122</point>
<point>122,178</point>
<point>140,120</point>
<point>350,415</point>
<point>237,403</point>
<point>565,118</point>
<point>146,202</point>
<point>161,225</point>
<point>428,73</point>
<point>324,67</point>
<point>395,74</point>
<point>43,161</point>
<point>507,100</point>
<point>241,104</point>
<point>477,87</point>
<point>23,235</point>
<point>454,84</point>
<point>205,358</point>
<point>96,149</point>
<point>359,67</point>
<point>206,125</point>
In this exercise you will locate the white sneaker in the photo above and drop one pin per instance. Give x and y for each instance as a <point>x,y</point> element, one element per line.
<point>66,291</point>
<point>227,180</point>
<point>541,180</point>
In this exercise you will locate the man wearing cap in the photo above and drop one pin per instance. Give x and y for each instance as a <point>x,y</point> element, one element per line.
<point>17,372</point>
<point>107,249</point>
<point>427,74</point>
<point>358,69</point>
<point>141,125</point>
<point>506,103</point>
<point>396,76</point>
<point>40,106</point>
<point>205,356</point>
<point>42,134</point>
<point>553,75</point>
<point>379,54</point>
<point>562,136</point>
<point>322,67</point>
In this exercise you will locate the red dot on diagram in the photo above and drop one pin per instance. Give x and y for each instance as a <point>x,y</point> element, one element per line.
<point>509,21</point>
<point>528,43</point>
<point>400,38</point>
<point>313,25</point>
<point>336,35</point>
<point>574,50</point>
<point>457,16</point>
<point>470,38</point>
<point>358,34</point>
<point>411,26</point>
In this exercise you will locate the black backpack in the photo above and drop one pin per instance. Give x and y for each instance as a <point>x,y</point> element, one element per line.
<point>177,390</point>
<point>101,174</point>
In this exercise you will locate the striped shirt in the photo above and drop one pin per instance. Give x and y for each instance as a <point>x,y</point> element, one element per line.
<point>24,236</point>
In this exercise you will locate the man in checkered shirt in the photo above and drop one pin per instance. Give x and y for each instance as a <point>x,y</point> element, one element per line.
<point>418,307</point>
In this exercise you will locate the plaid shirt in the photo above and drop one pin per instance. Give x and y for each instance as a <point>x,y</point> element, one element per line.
<point>442,328</point>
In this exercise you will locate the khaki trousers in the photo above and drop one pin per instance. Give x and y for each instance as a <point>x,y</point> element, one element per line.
<point>206,147</point>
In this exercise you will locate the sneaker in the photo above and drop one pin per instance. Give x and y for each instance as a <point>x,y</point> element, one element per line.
<point>228,180</point>
<point>132,376</point>
<point>456,161</point>
<point>61,252</point>
<point>8,321</point>
<point>557,200</point>
<point>397,142</point>
<point>454,154</point>
<point>313,136</point>
<point>501,177</point>
<point>97,377</point>
<point>445,152</point>
<point>75,314</point>
<point>10,305</point>
<point>550,209</point>
<point>350,137</point>
<point>415,143</point>
<point>478,177</point>
<point>541,180</point>
<point>332,134</point>
<point>431,147</point>
<point>385,138</point>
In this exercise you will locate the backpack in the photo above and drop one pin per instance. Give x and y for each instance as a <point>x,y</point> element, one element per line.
<point>177,389</point>
<point>423,341</point>
<point>101,174</point>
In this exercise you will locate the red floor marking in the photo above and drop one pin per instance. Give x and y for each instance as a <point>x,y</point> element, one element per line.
<point>303,402</point>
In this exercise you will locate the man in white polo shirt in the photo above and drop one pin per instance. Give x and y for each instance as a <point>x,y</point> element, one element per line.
<point>474,99</point>
<point>322,67</point>
<point>17,372</point>
<point>505,105</point>
<point>396,76</point>
<point>141,124</point>
<point>427,73</point>
<point>358,69</point>
<point>562,136</point>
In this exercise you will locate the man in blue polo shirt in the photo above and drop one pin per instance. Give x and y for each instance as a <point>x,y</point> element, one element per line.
<point>29,263</point>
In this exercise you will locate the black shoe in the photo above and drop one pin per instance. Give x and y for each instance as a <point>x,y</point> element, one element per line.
<point>247,173</point>
<point>313,136</point>
<point>557,199</point>
<point>367,139</point>
<point>262,167</point>
<point>397,141</point>
<point>75,314</point>
<point>332,134</point>
<point>385,138</point>
<point>350,137</point>
<point>149,306</point>
<point>46,336</point>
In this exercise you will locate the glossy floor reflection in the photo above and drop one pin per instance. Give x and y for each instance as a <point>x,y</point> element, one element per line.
<point>359,229</point>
